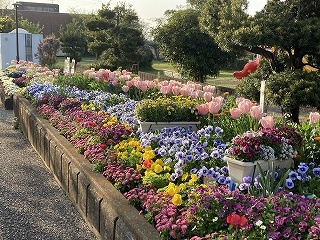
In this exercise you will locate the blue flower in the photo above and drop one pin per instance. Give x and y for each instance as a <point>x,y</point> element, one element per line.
<point>218,130</point>
<point>193,171</point>
<point>224,170</point>
<point>302,169</point>
<point>293,175</point>
<point>289,183</point>
<point>215,176</point>
<point>215,154</point>
<point>316,172</point>
<point>247,179</point>
<point>222,179</point>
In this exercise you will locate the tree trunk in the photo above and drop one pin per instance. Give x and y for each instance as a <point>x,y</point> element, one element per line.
<point>294,112</point>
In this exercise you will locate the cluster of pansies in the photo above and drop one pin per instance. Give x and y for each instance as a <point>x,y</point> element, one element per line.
<point>162,173</point>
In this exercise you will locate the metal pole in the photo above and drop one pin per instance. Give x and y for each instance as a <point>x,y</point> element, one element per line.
<point>16,5</point>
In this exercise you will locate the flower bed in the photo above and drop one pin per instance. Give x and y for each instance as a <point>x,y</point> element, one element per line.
<point>161,173</point>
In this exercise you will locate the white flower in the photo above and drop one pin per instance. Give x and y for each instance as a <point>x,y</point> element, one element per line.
<point>259,223</point>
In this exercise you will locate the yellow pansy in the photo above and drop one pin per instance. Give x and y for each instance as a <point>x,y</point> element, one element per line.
<point>149,154</point>
<point>167,168</point>
<point>182,187</point>
<point>184,176</point>
<point>138,167</point>
<point>177,199</point>
<point>160,162</point>
<point>157,168</point>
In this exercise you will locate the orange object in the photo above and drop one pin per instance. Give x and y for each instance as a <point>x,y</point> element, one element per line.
<point>250,67</point>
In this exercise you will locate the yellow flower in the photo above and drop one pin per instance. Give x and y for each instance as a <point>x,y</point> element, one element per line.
<point>157,168</point>
<point>167,168</point>
<point>138,167</point>
<point>182,187</point>
<point>160,162</point>
<point>148,155</point>
<point>184,176</point>
<point>172,189</point>
<point>177,200</point>
<point>193,179</point>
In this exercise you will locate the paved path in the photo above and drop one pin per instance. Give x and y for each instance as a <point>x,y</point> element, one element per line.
<point>32,204</point>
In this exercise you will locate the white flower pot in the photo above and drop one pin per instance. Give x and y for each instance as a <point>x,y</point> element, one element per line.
<point>238,170</point>
<point>151,126</point>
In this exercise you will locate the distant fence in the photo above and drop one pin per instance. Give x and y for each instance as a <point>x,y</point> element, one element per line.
<point>149,76</point>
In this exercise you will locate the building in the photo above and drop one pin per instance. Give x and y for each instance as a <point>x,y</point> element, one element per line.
<point>38,7</point>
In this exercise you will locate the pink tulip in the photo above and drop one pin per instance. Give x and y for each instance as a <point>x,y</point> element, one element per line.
<point>175,90</point>
<point>314,117</point>
<point>164,90</point>
<point>245,105</point>
<point>218,100</point>
<point>143,86</point>
<point>129,83</point>
<point>267,122</point>
<point>209,88</point>
<point>125,88</point>
<point>202,109</point>
<point>213,107</point>
<point>207,96</point>
<point>235,113</point>
<point>256,112</point>
<point>239,99</point>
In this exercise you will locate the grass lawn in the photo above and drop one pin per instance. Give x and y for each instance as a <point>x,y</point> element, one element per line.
<point>225,78</point>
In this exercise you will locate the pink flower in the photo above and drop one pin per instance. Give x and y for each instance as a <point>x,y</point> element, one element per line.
<point>164,89</point>
<point>207,96</point>
<point>203,109</point>
<point>213,107</point>
<point>125,88</point>
<point>143,86</point>
<point>256,112</point>
<point>267,122</point>
<point>314,117</point>
<point>235,113</point>
<point>245,105</point>
<point>176,90</point>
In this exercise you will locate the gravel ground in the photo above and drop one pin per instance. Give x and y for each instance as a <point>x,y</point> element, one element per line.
<point>32,204</point>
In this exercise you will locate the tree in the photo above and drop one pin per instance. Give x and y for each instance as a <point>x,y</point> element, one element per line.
<point>73,40</point>
<point>47,51</point>
<point>290,27</point>
<point>286,33</point>
<point>193,52</point>
<point>31,27</point>
<point>115,35</point>
<point>6,24</point>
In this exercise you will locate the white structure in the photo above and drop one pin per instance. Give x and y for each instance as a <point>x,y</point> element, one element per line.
<point>28,47</point>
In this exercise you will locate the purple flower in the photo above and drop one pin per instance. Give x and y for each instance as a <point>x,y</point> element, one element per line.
<point>289,183</point>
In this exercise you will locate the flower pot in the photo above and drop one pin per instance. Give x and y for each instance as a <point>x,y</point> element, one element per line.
<point>238,170</point>
<point>151,126</point>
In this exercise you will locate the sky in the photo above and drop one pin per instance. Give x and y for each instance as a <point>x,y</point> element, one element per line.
<point>147,10</point>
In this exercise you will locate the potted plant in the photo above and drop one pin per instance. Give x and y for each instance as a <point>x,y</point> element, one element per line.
<point>264,146</point>
<point>166,111</point>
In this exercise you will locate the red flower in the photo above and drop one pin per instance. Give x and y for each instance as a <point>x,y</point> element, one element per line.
<point>91,124</point>
<point>103,145</point>
<point>78,119</point>
<point>236,220</point>
<point>147,164</point>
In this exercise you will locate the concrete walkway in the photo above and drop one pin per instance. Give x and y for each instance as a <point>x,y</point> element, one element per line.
<point>32,204</point>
